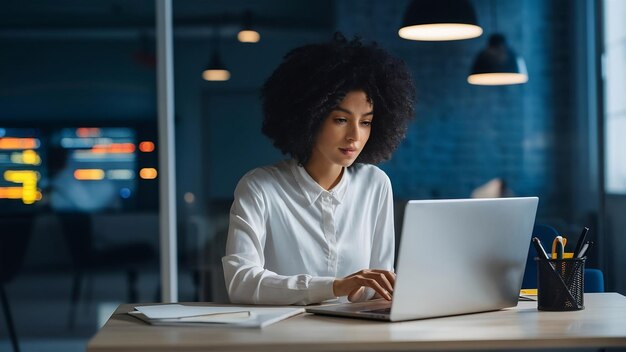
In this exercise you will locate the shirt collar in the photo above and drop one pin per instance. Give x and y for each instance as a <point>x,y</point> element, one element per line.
<point>312,190</point>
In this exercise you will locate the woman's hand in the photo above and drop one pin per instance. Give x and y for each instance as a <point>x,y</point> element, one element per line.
<point>381,281</point>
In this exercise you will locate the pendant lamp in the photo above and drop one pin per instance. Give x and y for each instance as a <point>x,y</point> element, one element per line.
<point>440,20</point>
<point>498,64</point>
<point>247,34</point>
<point>216,70</point>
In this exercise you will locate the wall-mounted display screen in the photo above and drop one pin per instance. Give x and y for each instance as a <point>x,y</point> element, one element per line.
<point>91,169</point>
<point>77,169</point>
<point>21,167</point>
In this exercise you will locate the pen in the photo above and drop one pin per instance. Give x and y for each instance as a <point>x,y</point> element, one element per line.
<point>541,253</point>
<point>584,250</point>
<point>581,242</point>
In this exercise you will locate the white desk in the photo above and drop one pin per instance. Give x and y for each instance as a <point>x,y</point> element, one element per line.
<point>601,324</point>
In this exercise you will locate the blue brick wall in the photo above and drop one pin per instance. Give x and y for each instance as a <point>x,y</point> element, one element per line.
<point>465,135</point>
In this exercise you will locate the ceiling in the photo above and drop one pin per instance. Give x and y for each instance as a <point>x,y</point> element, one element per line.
<point>42,16</point>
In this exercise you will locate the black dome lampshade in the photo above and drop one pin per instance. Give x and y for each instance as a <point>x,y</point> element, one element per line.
<point>216,70</point>
<point>498,64</point>
<point>440,20</point>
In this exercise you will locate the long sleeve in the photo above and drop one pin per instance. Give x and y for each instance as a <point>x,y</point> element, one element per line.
<point>247,280</point>
<point>383,241</point>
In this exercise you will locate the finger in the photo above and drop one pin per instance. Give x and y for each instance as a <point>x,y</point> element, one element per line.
<point>385,278</point>
<point>391,276</point>
<point>376,286</point>
<point>384,281</point>
<point>355,294</point>
<point>381,278</point>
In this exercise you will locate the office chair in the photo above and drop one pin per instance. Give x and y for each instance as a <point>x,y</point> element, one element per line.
<point>15,233</point>
<point>594,279</point>
<point>87,259</point>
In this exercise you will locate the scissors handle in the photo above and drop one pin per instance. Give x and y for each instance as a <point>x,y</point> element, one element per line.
<point>558,247</point>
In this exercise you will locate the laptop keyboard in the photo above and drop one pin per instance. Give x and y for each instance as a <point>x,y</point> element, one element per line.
<point>379,311</point>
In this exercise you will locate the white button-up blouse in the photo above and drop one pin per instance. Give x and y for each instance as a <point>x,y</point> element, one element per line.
<point>289,238</point>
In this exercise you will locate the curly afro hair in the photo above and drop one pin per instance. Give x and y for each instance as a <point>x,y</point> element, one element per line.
<point>313,79</point>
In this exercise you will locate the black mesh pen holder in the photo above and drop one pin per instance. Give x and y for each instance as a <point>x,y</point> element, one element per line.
<point>560,284</point>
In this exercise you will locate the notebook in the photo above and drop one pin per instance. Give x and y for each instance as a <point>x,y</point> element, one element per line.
<point>456,257</point>
<point>223,316</point>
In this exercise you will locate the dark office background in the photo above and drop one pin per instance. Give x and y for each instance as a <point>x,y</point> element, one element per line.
<point>71,63</point>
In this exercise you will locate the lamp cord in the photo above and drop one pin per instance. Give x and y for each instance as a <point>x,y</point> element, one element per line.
<point>215,39</point>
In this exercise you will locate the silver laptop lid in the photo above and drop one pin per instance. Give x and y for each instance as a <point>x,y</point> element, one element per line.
<point>461,256</point>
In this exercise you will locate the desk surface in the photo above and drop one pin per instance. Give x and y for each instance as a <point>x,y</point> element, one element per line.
<point>601,324</point>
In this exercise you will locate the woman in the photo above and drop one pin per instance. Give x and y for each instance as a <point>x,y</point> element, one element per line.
<point>320,226</point>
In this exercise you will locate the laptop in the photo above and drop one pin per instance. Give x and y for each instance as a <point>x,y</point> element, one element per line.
<point>456,256</point>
